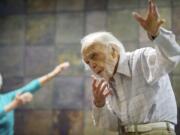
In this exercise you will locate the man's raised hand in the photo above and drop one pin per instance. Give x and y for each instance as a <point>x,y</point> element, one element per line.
<point>152,22</point>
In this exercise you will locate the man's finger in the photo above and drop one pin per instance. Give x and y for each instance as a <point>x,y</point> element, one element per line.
<point>156,12</point>
<point>107,94</point>
<point>139,19</point>
<point>94,81</point>
<point>99,88</point>
<point>154,9</point>
<point>103,89</point>
<point>161,22</point>
<point>100,84</point>
<point>104,86</point>
<point>94,88</point>
<point>149,7</point>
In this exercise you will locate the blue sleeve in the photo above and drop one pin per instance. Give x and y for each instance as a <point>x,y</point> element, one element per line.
<point>2,112</point>
<point>4,100</point>
<point>31,87</point>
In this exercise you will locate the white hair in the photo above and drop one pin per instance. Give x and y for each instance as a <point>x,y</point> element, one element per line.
<point>106,39</point>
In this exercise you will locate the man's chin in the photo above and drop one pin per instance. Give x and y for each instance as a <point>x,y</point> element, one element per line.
<point>105,76</point>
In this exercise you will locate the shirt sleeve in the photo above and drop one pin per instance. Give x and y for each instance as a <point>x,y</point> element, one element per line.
<point>31,87</point>
<point>2,112</point>
<point>104,118</point>
<point>159,61</point>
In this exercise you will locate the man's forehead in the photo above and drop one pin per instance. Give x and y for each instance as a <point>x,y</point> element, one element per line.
<point>94,47</point>
<point>91,51</point>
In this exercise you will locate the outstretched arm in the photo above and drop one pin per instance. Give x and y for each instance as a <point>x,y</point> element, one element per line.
<point>24,95</point>
<point>163,59</point>
<point>36,84</point>
<point>58,69</point>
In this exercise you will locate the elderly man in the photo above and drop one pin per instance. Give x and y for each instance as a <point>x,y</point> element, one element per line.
<point>133,93</point>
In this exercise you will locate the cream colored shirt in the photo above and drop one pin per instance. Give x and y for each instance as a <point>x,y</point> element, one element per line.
<point>143,86</point>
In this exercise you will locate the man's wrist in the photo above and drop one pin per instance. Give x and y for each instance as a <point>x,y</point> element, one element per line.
<point>99,104</point>
<point>152,36</point>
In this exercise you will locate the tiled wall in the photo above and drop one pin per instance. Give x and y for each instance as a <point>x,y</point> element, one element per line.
<point>35,35</point>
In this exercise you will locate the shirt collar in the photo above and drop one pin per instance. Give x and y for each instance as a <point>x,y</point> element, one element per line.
<point>123,67</point>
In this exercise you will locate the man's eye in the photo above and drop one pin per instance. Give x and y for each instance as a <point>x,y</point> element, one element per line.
<point>87,62</point>
<point>93,56</point>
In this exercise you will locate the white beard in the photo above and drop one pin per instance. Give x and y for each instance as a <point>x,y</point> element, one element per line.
<point>109,70</point>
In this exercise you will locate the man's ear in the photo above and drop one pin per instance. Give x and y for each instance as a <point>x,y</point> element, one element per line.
<point>114,50</point>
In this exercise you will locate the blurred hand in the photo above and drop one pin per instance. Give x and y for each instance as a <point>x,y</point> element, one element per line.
<point>99,92</point>
<point>58,69</point>
<point>19,100</point>
<point>152,22</point>
<point>22,99</point>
